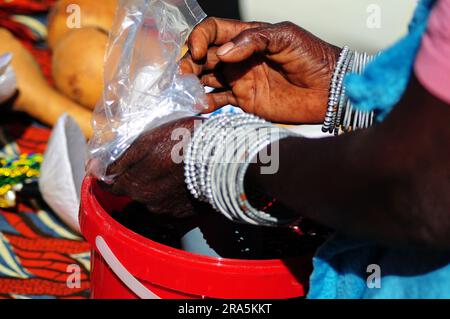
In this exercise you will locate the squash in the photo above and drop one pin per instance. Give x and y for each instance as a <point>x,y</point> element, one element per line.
<point>35,96</point>
<point>78,64</point>
<point>92,13</point>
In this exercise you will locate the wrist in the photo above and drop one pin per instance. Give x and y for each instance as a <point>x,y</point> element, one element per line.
<point>261,188</point>
<point>333,57</point>
<point>332,54</point>
<point>341,115</point>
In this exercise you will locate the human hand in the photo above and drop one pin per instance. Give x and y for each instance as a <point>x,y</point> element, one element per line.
<point>149,173</point>
<point>277,71</point>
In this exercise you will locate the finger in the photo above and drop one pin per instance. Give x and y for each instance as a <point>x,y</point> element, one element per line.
<point>188,65</point>
<point>218,100</point>
<point>213,80</point>
<point>269,40</point>
<point>215,31</point>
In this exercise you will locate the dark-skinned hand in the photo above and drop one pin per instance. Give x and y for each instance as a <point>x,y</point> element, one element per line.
<point>148,173</point>
<point>280,72</point>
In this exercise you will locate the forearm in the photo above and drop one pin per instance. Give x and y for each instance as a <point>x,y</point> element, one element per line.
<point>389,183</point>
<point>331,181</point>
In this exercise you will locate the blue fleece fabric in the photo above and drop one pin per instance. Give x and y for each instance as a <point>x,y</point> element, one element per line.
<point>341,265</point>
<point>341,271</point>
<point>385,80</point>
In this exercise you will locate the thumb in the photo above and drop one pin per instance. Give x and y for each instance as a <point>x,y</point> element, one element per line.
<point>265,39</point>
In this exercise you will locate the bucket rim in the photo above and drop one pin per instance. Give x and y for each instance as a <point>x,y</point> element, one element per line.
<point>129,235</point>
<point>187,272</point>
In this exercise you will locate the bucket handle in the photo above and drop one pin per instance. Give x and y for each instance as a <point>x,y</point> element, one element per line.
<point>119,269</point>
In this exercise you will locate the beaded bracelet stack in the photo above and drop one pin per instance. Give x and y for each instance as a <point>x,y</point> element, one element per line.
<point>222,149</point>
<point>218,157</point>
<point>341,115</point>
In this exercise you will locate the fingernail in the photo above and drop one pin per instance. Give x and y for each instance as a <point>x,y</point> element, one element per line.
<point>224,49</point>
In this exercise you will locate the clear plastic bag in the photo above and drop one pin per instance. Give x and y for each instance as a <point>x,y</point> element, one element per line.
<point>143,86</point>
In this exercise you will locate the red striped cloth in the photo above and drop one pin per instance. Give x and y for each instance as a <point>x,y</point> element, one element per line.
<point>37,252</point>
<point>26,6</point>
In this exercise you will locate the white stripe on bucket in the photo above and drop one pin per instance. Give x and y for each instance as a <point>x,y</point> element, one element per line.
<point>124,275</point>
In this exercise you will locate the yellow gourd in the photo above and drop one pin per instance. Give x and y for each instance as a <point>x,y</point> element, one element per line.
<point>35,96</point>
<point>78,63</point>
<point>92,13</point>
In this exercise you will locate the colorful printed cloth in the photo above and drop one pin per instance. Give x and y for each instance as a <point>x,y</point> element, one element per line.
<point>26,20</point>
<point>39,256</point>
<point>26,6</point>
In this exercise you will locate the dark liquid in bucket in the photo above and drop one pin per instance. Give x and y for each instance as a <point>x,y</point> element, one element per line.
<point>227,239</point>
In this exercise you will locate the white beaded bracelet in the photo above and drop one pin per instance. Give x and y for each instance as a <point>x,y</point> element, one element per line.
<point>341,115</point>
<point>218,157</point>
<point>334,89</point>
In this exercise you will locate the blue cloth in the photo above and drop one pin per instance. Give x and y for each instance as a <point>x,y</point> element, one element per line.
<point>341,271</point>
<point>385,80</point>
<point>341,264</point>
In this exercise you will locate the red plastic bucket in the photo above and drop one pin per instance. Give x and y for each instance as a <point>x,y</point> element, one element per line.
<point>127,265</point>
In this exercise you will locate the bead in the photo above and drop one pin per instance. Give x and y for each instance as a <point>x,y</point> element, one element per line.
<point>14,172</point>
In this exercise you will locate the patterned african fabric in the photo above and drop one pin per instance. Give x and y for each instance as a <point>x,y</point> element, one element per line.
<point>39,256</point>
<point>26,6</point>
